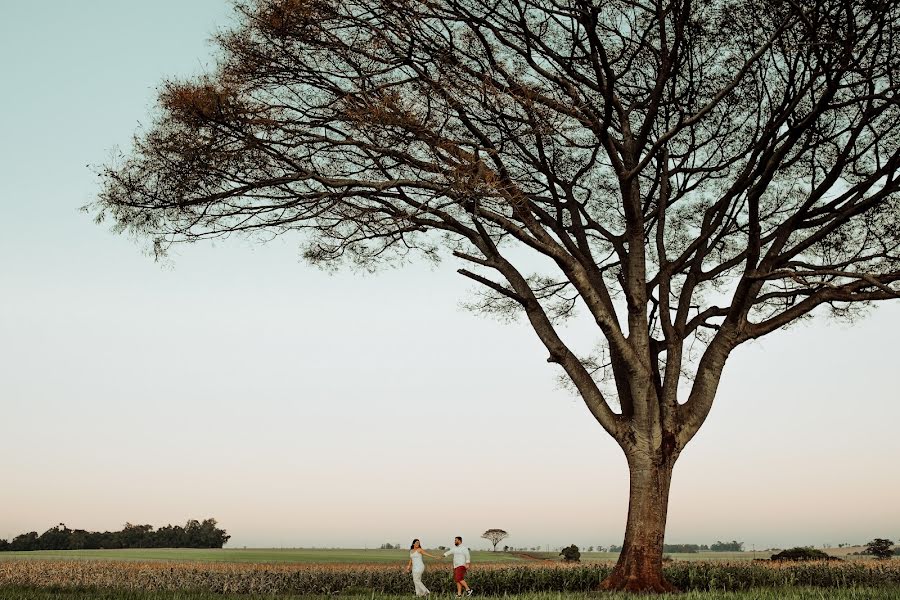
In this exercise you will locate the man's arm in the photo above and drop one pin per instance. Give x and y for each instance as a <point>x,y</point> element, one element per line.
<point>468,558</point>
<point>448,552</point>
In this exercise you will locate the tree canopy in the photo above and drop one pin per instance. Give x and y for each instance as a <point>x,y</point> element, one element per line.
<point>495,536</point>
<point>194,534</point>
<point>690,174</point>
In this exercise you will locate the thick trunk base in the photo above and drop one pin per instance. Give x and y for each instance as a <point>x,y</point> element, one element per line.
<point>640,564</point>
<point>643,578</point>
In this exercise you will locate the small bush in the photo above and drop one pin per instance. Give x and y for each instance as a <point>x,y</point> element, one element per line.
<point>800,553</point>
<point>571,554</point>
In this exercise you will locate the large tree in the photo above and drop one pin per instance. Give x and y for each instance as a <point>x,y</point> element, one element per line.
<point>691,175</point>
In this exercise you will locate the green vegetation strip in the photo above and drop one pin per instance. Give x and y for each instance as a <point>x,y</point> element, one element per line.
<point>251,555</point>
<point>335,556</point>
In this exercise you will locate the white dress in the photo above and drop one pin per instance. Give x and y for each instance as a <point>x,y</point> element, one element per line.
<point>418,567</point>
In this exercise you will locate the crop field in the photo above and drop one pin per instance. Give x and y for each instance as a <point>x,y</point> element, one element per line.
<point>136,577</point>
<point>863,593</point>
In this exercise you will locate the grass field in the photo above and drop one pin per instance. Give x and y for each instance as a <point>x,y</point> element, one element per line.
<point>249,555</point>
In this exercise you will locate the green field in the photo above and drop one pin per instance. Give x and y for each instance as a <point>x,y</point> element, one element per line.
<point>249,555</point>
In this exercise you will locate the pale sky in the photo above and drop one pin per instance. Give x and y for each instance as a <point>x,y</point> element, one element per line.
<point>307,409</point>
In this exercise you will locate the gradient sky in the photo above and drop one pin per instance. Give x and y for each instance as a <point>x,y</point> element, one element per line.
<point>306,409</point>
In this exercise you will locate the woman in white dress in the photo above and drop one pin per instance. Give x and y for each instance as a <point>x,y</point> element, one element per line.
<point>416,565</point>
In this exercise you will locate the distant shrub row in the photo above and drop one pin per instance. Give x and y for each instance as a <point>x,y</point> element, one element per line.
<point>719,546</point>
<point>195,534</point>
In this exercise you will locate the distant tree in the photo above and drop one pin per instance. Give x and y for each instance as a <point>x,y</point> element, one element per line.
<point>614,548</point>
<point>192,533</point>
<point>495,536</point>
<point>25,542</point>
<point>880,548</point>
<point>170,536</point>
<point>802,553</point>
<point>590,549</point>
<point>211,536</point>
<point>136,536</point>
<point>78,539</point>
<point>732,546</point>
<point>4,545</point>
<point>571,554</point>
<point>55,538</point>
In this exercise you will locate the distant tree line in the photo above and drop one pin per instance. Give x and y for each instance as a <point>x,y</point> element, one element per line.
<point>685,548</point>
<point>719,546</point>
<point>194,534</point>
<point>571,553</point>
<point>732,546</point>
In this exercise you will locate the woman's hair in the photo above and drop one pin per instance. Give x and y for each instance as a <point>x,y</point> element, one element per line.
<point>413,545</point>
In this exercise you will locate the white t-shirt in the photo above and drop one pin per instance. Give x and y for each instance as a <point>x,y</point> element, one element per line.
<point>460,554</point>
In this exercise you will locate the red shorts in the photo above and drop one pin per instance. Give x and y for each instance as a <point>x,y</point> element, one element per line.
<point>459,573</point>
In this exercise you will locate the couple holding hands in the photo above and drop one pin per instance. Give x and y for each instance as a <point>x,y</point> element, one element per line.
<point>461,562</point>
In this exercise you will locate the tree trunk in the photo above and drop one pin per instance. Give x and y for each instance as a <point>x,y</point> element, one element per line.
<point>640,564</point>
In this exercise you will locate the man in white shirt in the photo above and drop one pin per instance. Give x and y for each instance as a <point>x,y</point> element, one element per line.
<point>462,561</point>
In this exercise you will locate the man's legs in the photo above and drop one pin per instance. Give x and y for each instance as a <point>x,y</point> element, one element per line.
<point>459,576</point>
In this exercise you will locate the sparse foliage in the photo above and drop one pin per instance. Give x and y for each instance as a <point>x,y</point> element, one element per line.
<point>495,536</point>
<point>690,175</point>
